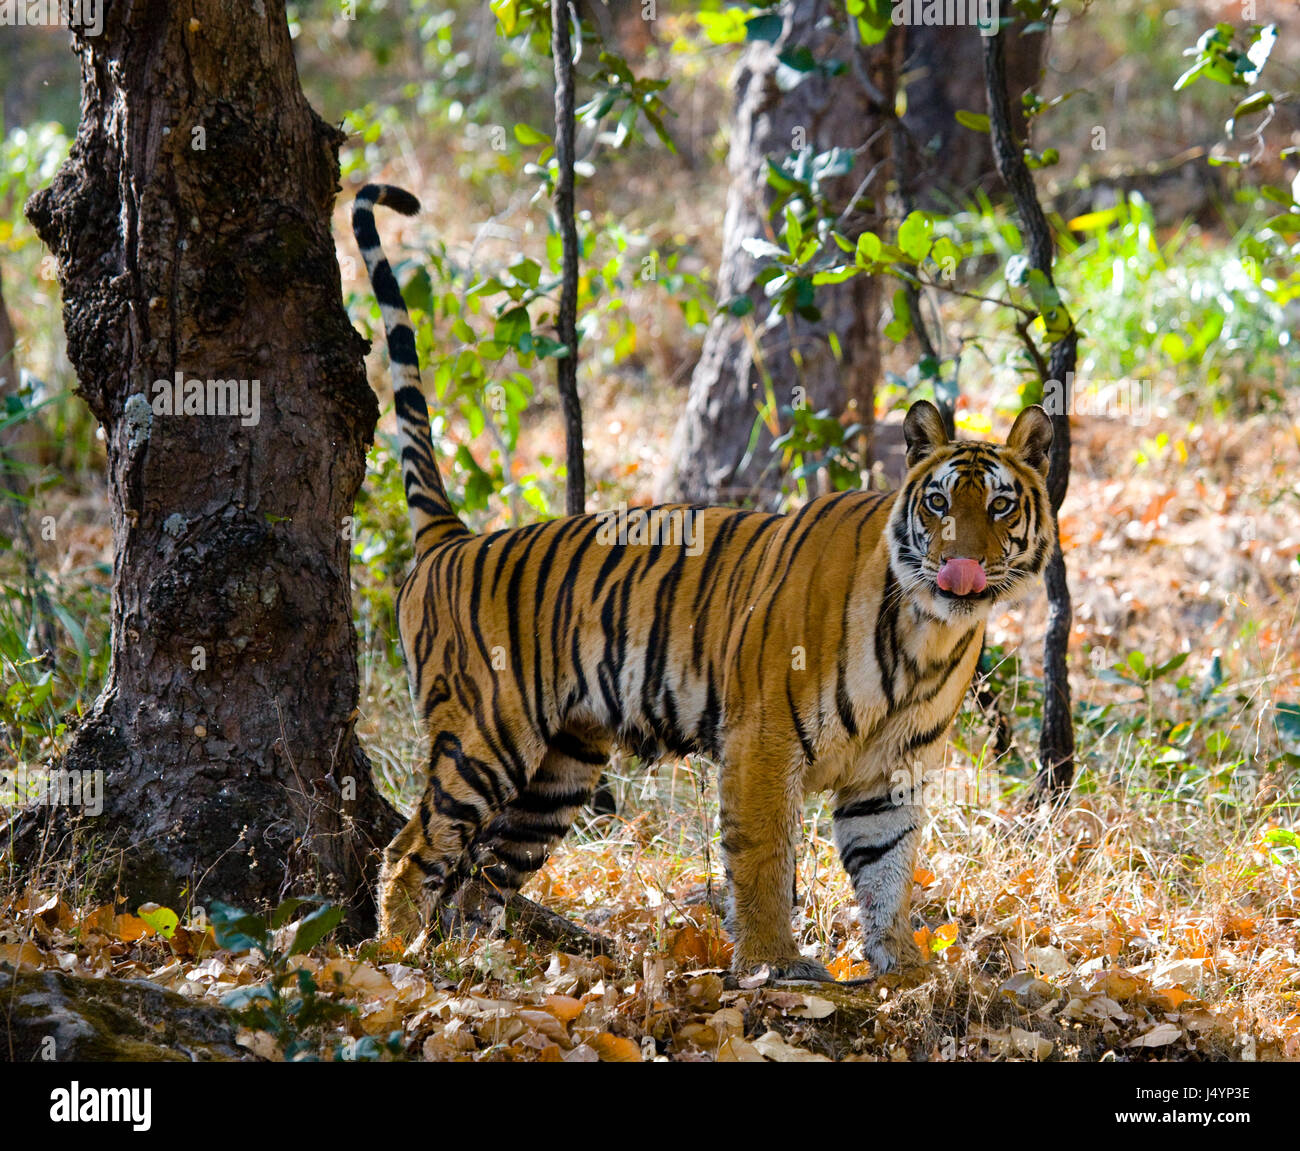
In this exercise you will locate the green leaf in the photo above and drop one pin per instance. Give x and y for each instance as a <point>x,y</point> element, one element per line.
<point>1286,718</point>
<point>1274,193</point>
<point>869,248</point>
<point>315,927</point>
<point>1252,104</point>
<point>1169,665</point>
<point>286,911</point>
<point>900,326</point>
<point>874,21</point>
<point>162,919</point>
<point>766,26</point>
<point>835,275</point>
<point>1056,317</point>
<point>1259,52</point>
<point>800,59</point>
<point>545,347</point>
<point>975,121</point>
<point>526,272</point>
<point>1174,347</point>
<point>239,999</point>
<point>1094,220</point>
<point>236,930</point>
<point>761,249</point>
<point>1194,73</point>
<point>778,179</point>
<point>945,253</point>
<point>915,235</point>
<point>739,306</point>
<point>507,14</point>
<point>528,135</point>
<point>1284,224</point>
<point>725,27</point>
<point>512,327</point>
<point>793,230</point>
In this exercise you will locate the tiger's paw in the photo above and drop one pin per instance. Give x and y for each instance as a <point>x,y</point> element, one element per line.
<point>782,971</point>
<point>894,953</point>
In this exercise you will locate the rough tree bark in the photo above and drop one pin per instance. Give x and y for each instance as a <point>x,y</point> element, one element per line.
<point>191,228</point>
<point>566,323</point>
<point>709,444</point>
<point>1056,740</point>
<point>944,66</point>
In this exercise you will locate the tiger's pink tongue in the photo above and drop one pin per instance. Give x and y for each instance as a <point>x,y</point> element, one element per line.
<point>962,577</point>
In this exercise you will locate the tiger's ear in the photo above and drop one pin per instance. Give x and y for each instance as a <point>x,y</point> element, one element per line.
<point>1031,437</point>
<point>923,430</point>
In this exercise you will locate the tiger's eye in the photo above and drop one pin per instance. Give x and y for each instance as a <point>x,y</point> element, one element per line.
<point>936,502</point>
<point>1000,505</point>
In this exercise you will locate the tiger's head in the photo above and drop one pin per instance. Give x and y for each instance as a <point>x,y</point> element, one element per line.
<point>972,525</point>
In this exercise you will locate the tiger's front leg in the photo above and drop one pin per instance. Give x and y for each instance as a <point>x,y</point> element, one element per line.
<point>761,821</point>
<point>877,837</point>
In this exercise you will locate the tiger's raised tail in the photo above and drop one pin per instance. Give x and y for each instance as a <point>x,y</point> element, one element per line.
<point>432,517</point>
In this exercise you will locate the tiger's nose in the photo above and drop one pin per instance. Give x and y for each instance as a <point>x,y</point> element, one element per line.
<point>962,576</point>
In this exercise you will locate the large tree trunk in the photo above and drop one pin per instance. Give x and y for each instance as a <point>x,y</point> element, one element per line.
<point>727,387</point>
<point>944,64</point>
<point>191,227</point>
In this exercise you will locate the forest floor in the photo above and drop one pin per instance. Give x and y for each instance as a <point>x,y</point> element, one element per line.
<point>1152,919</point>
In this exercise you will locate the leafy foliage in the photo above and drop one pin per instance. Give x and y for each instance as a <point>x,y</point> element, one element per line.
<point>288,1005</point>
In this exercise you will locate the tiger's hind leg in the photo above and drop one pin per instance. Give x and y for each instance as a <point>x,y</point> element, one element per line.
<point>877,838</point>
<point>468,785</point>
<point>519,840</point>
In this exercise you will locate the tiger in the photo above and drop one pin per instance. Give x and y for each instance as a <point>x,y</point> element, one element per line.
<point>827,649</point>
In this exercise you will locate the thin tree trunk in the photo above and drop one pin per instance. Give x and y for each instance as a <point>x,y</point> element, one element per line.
<point>191,228</point>
<point>1056,741</point>
<point>710,458</point>
<point>566,368</point>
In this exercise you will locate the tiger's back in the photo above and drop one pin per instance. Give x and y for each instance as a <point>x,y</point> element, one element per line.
<point>827,649</point>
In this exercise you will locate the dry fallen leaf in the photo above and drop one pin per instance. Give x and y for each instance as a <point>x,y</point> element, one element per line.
<point>1120,984</point>
<point>1172,996</point>
<point>738,1051</point>
<point>692,948</point>
<point>812,1007</point>
<point>1049,962</point>
<point>1161,1035</point>
<point>1030,1044</point>
<point>564,1007</point>
<point>774,1047</point>
<point>356,978</point>
<point>22,954</point>
<point>615,1048</point>
<point>129,928</point>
